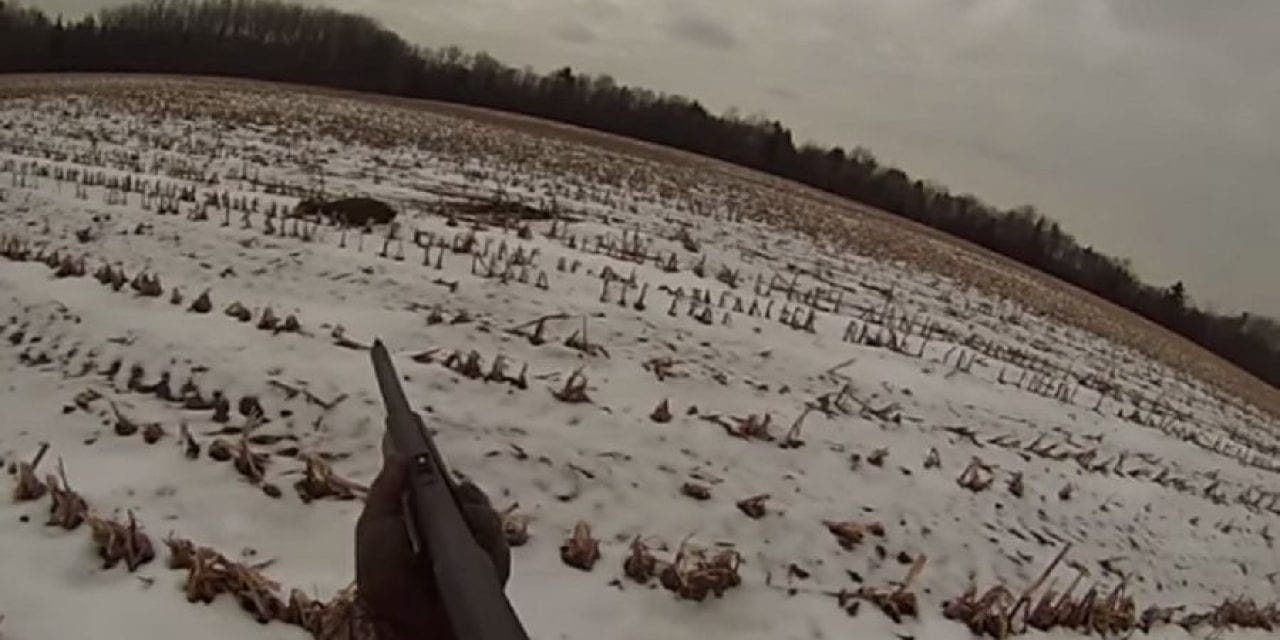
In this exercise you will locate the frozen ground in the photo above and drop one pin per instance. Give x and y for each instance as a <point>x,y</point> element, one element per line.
<point>881,384</point>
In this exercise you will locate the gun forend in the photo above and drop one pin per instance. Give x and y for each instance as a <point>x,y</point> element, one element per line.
<point>469,588</point>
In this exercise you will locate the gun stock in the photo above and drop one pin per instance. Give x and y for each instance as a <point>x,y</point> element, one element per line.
<point>469,588</point>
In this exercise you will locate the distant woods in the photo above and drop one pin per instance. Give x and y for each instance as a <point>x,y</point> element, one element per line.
<point>271,40</point>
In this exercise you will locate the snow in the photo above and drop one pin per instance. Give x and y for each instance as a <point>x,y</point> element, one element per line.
<point>604,462</point>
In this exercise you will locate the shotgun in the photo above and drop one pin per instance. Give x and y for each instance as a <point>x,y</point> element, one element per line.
<point>468,584</point>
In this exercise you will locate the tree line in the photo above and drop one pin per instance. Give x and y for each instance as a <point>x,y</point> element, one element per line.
<point>274,40</point>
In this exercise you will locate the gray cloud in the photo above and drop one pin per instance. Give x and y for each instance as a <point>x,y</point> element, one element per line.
<point>574,32</point>
<point>1149,128</point>
<point>701,31</point>
<point>782,93</point>
<point>600,9</point>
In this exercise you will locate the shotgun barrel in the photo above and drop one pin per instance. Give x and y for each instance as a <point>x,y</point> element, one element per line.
<point>468,584</point>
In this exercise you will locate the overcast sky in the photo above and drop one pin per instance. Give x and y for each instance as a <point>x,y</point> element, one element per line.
<point>1149,128</point>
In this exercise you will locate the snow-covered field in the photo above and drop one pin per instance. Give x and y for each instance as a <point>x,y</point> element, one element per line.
<point>983,439</point>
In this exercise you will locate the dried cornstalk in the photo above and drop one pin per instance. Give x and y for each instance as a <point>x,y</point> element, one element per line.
<point>29,486</point>
<point>344,618</point>
<point>850,534</point>
<point>304,612</point>
<point>976,477</point>
<point>191,449</point>
<point>876,458</point>
<point>662,368</point>
<point>290,325</point>
<point>1065,492</point>
<point>640,565</point>
<point>152,433</point>
<point>1025,598</point>
<point>579,340</point>
<point>754,506</point>
<point>182,552</point>
<point>580,551</point>
<point>268,321</point>
<point>995,613</point>
<point>220,450</point>
<point>751,427</point>
<point>119,541</point>
<point>208,573</point>
<point>472,367</point>
<point>933,460</point>
<point>202,303</point>
<point>515,526</point>
<point>696,491</point>
<point>574,390</point>
<point>792,438</point>
<point>255,593</point>
<point>85,398</point>
<point>692,575</point>
<point>1015,485</point>
<point>498,372</point>
<point>320,481</point>
<point>249,463</point>
<point>662,413</point>
<point>983,615</point>
<point>897,602</point>
<point>68,509</point>
<point>124,426</point>
<point>239,312</point>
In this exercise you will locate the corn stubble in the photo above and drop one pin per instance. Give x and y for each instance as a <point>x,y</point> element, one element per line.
<point>211,574</point>
<point>997,612</point>
<point>118,541</point>
<point>67,508</point>
<point>896,601</point>
<point>515,526</point>
<point>28,486</point>
<point>850,534</point>
<point>320,481</point>
<point>754,507</point>
<point>692,574</point>
<point>580,551</point>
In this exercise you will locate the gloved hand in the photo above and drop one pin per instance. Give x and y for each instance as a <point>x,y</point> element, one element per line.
<point>397,588</point>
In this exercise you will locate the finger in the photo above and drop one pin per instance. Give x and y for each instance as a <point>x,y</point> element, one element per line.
<point>385,492</point>
<point>486,528</point>
<point>384,556</point>
<point>395,587</point>
<point>469,494</point>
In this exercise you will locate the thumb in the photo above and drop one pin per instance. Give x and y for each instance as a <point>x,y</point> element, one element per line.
<point>385,492</point>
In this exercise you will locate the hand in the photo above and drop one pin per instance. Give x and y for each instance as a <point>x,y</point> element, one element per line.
<point>396,586</point>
